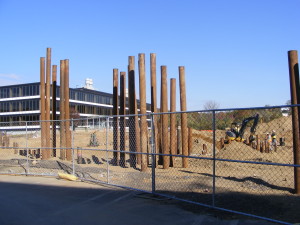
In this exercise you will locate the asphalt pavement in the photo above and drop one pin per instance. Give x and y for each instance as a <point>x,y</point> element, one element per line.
<point>48,200</point>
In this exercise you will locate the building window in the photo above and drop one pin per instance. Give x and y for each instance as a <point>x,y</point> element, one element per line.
<point>4,107</point>
<point>4,93</point>
<point>15,106</point>
<point>16,92</point>
<point>72,94</point>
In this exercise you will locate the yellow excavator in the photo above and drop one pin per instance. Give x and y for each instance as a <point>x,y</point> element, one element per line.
<point>237,130</point>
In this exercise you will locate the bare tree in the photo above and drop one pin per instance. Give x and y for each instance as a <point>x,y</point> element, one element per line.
<point>211,105</point>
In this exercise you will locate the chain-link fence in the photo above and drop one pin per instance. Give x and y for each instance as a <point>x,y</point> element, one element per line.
<point>238,160</point>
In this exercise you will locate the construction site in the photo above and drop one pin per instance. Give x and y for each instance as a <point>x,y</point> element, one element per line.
<point>242,160</point>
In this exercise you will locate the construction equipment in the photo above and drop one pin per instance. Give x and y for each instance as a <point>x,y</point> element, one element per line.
<point>237,130</point>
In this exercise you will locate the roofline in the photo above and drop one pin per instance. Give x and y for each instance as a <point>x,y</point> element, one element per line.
<point>76,89</point>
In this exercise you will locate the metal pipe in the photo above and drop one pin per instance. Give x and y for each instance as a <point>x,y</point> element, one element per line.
<point>214,158</point>
<point>153,155</point>
<point>106,144</point>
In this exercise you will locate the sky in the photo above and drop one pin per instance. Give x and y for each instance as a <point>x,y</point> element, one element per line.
<point>234,51</point>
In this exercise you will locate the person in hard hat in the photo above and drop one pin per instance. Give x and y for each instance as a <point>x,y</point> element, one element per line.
<point>273,136</point>
<point>269,140</point>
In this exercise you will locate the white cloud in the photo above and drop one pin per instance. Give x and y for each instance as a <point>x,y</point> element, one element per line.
<point>10,76</point>
<point>9,79</point>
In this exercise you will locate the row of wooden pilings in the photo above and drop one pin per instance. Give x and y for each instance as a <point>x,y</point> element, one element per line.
<point>138,127</point>
<point>259,144</point>
<point>49,105</point>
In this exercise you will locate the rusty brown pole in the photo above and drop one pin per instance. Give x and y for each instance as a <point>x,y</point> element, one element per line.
<point>62,110</point>
<point>42,107</point>
<point>190,140</point>
<point>165,130</point>
<point>154,101</point>
<point>122,118</point>
<point>54,83</point>
<point>295,99</point>
<point>179,145</point>
<point>116,140</point>
<point>132,110</point>
<point>257,143</point>
<point>137,134</point>
<point>173,138</point>
<point>67,112</point>
<point>143,110</point>
<point>184,131</point>
<point>48,104</point>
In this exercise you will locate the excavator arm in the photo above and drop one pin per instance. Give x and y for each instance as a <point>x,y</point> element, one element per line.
<point>244,125</point>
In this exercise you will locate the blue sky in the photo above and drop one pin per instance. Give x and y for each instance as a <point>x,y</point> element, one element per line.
<point>234,51</point>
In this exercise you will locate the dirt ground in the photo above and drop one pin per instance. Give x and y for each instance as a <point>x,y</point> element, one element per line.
<point>263,190</point>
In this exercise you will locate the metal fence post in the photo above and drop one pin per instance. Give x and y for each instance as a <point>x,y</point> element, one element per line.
<point>27,156</point>
<point>214,157</point>
<point>107,163</point>
<point>153,155</point>
<point>72,146</point>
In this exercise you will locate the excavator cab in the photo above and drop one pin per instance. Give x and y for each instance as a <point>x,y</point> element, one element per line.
<point>232,132</point>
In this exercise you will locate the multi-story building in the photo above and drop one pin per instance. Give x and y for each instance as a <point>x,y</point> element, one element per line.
<point>21,102</point>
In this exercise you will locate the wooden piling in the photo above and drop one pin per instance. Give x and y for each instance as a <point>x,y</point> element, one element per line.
<point>179,144</point>
<point>190,141</point>
<point>116,137</point>
<point>173,138</point>
<point>295,99</point>
<point>54,87</point>
<point>143,111</point>
<point>164,109</point>
<point>154,102</point>
<point>184,131</point>
<point>257,142</point>
<point>122,118</point>
<point>62,110</point>
<point>222,143</point>
<point>204,149</point>
<point>67,112</point>
<point>132,110</point>
<point>42,107</point>
<point>48,104</point>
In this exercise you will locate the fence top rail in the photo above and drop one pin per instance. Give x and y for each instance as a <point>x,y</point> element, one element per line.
<point>159,113</point>
<point>209,110</point>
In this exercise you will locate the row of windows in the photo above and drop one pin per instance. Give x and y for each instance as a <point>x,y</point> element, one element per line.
<point>28,90</point>
<point>89,97</point>
<point>15,106</point>
<point>33,89</point>
<point>18,120</point>
<point>96,110</point>
<point>86,97</point>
